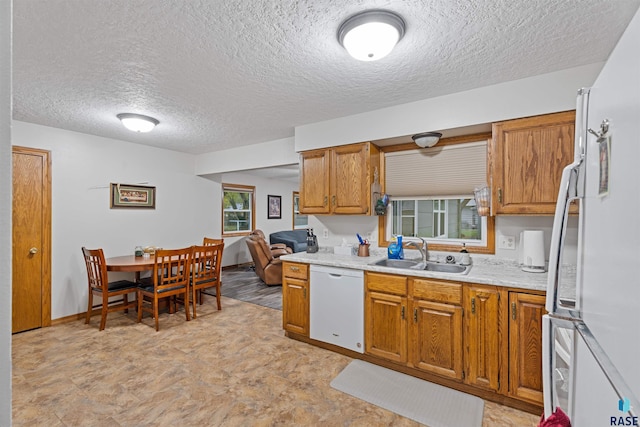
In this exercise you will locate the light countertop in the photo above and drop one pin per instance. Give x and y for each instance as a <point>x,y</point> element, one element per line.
<point>485,269</point>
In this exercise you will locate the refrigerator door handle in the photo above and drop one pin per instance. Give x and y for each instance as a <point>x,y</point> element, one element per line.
<point>566,195</point>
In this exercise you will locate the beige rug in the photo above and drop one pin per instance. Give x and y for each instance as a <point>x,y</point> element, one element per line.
<point>419,400</point>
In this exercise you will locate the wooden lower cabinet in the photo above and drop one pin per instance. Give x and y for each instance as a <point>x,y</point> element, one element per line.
<point>295,298</point>
<point>525,346</point>
<point>385,314</point>
<point>437,338</point>
<point>482,336</point>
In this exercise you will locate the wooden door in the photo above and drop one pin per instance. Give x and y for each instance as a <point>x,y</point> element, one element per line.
<point>295,305</point>
<point>350,186</point>
<point>314,182</point>
<point>529,155</point>
<point>481,336</point>
<point>525,346</point>
<point>437,338</point>
<point>31,279</point>
<point>386,326</point>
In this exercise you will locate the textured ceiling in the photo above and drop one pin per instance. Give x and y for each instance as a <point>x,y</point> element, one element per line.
<point>222,74</point>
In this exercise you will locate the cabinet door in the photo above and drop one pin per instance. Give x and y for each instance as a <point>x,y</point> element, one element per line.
<point>295,305</point>
<point>528,156</point>
<point>525,346</point>
<point>481,336</point>
<point>314,182</point>
<point>386,326</point>
<point>350,186</point>
<point>437,338</point>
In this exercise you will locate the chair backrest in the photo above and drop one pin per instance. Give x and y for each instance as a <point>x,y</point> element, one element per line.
<point>96,269</point>
<point>206,263</point>
<point>207,241</point>
<point>261,257</point>
<point>171,268</point>
<point>259,233</point>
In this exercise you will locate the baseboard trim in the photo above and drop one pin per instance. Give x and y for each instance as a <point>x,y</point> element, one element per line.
<point>230,267</point>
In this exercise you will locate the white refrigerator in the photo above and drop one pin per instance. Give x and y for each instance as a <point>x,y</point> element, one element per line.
<point>591,336</point>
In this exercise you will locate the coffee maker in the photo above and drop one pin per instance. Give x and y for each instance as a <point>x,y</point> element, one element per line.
<point>312,241</point>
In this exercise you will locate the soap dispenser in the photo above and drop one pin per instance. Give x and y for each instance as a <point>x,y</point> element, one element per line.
<point>465,259</point>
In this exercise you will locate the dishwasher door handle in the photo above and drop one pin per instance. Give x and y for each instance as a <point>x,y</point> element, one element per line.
<point>337,276</point>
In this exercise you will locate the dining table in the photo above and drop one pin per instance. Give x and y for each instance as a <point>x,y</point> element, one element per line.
<point>130,263</point>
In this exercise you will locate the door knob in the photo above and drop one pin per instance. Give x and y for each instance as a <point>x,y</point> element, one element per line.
<point>33,251</point>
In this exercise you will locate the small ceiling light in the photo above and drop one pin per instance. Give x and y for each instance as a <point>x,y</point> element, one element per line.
<point>427,139</point>
<point>137,122</point>
<point>371,35</point>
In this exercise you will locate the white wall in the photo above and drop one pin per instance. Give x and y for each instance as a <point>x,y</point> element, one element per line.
<point>520,98</point>
<point>82,168</point>
<point>267,154</point>
<point>5,213</point>
<point>235,248</point>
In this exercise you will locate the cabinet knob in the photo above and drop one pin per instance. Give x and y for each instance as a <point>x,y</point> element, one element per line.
<point>513,310</point>
<point>499,195</point>
<point>333,200</point>
<point>325,201</point>
<point>473,306</point>
<point>33,251</point>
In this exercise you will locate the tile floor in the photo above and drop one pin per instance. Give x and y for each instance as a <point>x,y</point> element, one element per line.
<point>232,367</point>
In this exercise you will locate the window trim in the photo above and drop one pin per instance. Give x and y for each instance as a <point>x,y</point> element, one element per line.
<point>293,211</point>
<point>382,220</point>
<point>239,187</point>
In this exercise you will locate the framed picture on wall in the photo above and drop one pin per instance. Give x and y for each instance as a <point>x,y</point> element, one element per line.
<point>274,207</point>
<point>132,196</point>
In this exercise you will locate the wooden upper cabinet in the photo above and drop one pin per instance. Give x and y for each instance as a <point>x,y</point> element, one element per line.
<point>527,157</point>
<point>338,180</point>
<point>314,182</point>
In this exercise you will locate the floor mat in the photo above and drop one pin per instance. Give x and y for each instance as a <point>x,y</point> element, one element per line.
<point>419,400</point>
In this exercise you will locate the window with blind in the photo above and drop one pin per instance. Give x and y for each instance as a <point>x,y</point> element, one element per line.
<point>238,208</point>
<point>431,193</point>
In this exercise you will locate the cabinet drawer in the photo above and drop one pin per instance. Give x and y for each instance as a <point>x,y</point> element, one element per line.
<point>434,290</point>
<point>386,283</point>
<point>297,271</point>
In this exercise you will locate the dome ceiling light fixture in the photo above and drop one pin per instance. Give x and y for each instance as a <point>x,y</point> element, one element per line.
<point>372,34</point>
<point>137,122</point>
<point>427,139</point>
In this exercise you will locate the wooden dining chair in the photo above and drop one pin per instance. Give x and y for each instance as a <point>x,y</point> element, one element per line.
<point>170,278</point>
<point>205,272</point>
<point>99,285</point>
<point>207,241</point>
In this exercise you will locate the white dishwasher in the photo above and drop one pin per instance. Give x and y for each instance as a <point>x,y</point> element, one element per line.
<point>337,306</point>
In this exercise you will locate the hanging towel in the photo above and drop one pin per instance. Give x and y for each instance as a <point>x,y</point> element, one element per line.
<point>557,419</point>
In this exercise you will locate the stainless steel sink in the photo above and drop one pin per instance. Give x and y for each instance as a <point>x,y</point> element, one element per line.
<point>397,263</point>
<point>436,267</point>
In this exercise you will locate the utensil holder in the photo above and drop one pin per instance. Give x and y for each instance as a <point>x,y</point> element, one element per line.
<point>363,250</point>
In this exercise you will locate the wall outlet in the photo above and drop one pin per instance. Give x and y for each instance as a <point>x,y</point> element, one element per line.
<point>325,233</point>
<point>507,242</point>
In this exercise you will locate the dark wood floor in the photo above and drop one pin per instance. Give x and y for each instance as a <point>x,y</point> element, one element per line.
<point>243,284</point>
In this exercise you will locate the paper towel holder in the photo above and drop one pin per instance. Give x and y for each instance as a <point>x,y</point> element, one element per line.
<point>532,251</point>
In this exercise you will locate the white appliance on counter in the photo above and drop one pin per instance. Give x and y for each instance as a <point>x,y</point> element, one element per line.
<point>591,336</point>
<point>336,312</point>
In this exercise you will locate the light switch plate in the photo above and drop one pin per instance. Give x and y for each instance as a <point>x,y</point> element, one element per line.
<point>507,242</point>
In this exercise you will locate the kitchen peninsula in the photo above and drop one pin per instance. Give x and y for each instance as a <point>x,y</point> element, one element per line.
<point>479,332</point>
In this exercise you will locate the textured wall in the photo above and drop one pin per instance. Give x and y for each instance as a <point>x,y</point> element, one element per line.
<point>5,213</point>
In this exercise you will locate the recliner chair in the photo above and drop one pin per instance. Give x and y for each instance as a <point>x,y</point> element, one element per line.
<point>268,266</point>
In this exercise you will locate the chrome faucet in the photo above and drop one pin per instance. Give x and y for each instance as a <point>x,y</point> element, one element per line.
<point>424,248</point>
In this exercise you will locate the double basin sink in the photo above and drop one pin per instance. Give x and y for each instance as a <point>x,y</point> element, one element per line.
<point>436,267</point>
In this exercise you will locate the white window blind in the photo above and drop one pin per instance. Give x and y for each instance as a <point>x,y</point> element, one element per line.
<point>449,170</point>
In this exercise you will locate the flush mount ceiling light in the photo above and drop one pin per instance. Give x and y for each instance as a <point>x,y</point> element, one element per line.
<point>427,139</point>
<point>371,35</point>
<point>137,122</point>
